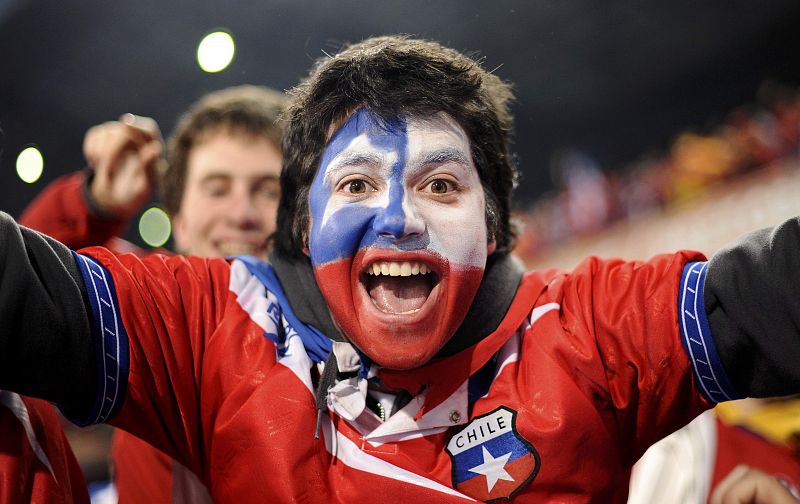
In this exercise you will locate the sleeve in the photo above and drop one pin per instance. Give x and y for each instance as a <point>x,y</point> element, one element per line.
<point>110,336</point>
<point>45,342</point>
<point>64,210</point>
<point>752,301</point>
<point>151,321</point>
<point>621,323</point>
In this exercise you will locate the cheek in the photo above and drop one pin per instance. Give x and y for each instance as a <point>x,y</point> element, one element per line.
<point>180,233</point>
<point>459,234</point>
<point>341,235</point>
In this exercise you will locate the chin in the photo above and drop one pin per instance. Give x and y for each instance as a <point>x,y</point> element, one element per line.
<point>399,346</point>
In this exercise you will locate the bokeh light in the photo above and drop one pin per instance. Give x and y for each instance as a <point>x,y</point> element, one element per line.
<point>154,227</point>
<point>30,164</point>
<point>215,51</point>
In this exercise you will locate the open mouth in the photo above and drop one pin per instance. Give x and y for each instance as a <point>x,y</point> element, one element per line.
<point>399,287</point>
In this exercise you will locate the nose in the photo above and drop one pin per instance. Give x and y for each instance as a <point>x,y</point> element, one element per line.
<point>242,210</point>
<point>398,220</point>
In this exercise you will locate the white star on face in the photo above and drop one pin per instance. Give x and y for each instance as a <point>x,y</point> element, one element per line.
<point>493,468</point>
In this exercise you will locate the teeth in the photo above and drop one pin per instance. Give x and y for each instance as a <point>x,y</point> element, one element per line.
<point>391,268</point>
<point>237,248</point>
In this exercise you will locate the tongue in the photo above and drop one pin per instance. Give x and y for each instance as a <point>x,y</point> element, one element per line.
<point>399,294</point>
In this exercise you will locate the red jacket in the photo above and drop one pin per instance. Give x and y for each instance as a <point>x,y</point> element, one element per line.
<point>585,371</point>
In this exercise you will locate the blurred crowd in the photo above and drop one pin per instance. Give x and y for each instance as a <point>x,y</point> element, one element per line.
<point>590,197</point>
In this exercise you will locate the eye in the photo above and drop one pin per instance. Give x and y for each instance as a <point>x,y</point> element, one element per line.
<point>216,188</point>
<point>441,186</point>
<point>269,190</point>
<point>357,187</point>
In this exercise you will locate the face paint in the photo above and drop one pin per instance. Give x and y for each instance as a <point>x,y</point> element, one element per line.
<point>398,239</point>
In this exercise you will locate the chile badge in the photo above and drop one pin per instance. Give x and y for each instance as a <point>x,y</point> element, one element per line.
<point>491,461</point>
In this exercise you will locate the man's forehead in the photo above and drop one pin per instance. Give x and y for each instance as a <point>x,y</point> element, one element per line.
<point>234,157</point>
<point>362,140</point>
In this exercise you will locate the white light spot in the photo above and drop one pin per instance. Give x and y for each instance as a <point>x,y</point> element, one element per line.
<point>30,164</point>
<point>154,227</point>
<point>215,51</point>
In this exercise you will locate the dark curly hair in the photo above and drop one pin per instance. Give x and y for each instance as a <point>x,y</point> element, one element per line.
<point>393,76</point>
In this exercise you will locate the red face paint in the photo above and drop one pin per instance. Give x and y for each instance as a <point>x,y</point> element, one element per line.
<point>404,340</point>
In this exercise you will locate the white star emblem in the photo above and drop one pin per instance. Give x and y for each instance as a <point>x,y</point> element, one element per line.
<point>493,468</point>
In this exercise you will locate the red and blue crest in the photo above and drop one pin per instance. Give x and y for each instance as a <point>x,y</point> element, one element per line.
<point>491,461</point>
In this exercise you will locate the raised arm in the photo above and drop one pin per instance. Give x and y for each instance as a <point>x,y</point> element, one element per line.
<point>92,207</point>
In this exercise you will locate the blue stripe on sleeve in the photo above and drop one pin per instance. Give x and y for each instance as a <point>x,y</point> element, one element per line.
<point>710,376</point>
<point>110,338</point>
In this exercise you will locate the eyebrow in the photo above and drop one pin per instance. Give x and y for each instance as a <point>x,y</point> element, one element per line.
<point>444,155</point>
<point>353,158</point>
<point>208,177</point>
<point>365,158</point>
<point>215,176</point>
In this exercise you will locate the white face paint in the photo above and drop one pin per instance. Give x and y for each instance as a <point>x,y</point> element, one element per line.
<point>388,201</point>
<point>440,150</point>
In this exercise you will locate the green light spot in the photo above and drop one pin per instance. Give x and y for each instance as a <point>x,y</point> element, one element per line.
<point>154,227</point>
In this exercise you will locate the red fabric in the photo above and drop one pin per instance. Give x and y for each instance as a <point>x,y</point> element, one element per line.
<point>738,445</point>
<point>598,378</point>
<point>141,473</point>
<point>24,477</point>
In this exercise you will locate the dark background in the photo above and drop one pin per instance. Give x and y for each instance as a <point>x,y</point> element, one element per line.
<point>614,78</point>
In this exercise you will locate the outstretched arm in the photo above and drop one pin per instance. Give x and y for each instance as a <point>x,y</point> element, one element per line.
<point>45,344</point>
<point>752,298</point>
<point>113,337</point>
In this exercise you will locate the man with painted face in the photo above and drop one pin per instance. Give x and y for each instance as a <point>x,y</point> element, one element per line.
<point>392,350</point>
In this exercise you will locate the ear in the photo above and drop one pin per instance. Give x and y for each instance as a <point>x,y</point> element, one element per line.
<point>491,247</point>
<point>179,233</point>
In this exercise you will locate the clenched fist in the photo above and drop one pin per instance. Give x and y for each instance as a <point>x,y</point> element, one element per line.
<point>124,155</point>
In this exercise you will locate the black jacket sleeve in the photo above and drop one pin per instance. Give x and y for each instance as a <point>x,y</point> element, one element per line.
<point>752,298</point>
<point>45,344</point>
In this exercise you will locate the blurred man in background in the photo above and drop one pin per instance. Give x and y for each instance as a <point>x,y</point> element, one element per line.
<point>219,185</point>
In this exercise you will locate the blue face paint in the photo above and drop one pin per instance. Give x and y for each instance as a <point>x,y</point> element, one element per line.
<point>354,225</point>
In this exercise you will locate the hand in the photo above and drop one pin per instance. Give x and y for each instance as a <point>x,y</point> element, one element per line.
<point>745,485</point>
<point>124,155</point>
